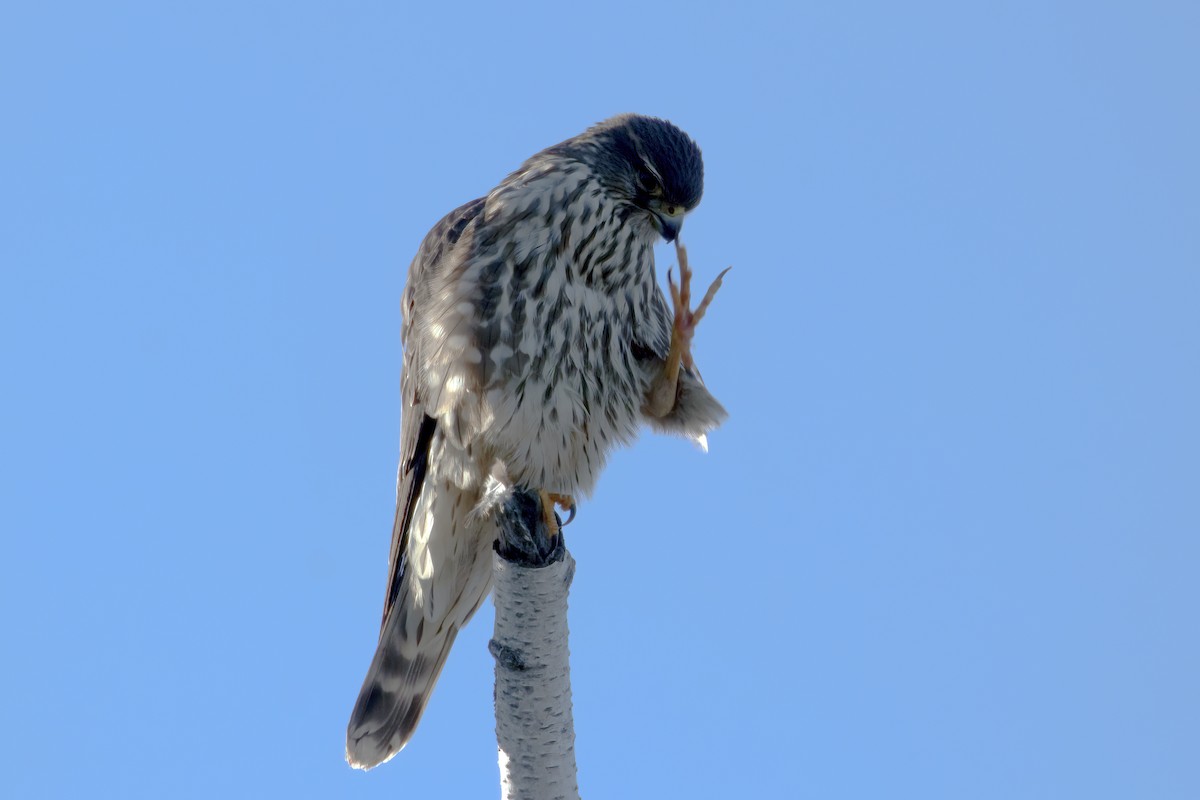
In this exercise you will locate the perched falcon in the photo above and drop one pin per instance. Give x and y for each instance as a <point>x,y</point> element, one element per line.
<point>536,339</point>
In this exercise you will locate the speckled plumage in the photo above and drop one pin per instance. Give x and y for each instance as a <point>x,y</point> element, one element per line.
<point>533,327</point>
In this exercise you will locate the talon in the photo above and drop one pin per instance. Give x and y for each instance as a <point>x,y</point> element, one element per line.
<point>698,314</point>
<point>664,388</point>
<point>549,501</point>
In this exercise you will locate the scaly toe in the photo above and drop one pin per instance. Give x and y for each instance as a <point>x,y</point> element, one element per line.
<point>566,503</point>
<point>548,517</point>
<point>549,501</point>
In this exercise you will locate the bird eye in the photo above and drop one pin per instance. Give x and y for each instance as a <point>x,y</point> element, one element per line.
<point>648,182</point>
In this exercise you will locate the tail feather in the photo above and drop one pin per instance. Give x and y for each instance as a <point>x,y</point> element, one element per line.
<point>398,685</point>
<point>441,568</point>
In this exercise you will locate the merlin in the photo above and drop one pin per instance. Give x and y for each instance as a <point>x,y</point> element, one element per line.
<point>536,339</point>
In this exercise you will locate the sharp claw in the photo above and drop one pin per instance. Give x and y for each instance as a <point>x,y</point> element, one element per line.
<point>563,501</point>
<point>663,391</point>
<point>708,296</point>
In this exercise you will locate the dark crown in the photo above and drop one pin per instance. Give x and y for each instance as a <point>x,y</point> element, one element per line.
<point>627,137</point>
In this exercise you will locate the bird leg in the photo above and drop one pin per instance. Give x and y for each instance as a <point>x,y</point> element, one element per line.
<point>664,389</point>
<point>563,501</point>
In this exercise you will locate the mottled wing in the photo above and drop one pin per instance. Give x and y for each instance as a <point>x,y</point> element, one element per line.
<point>428,599</point>
<point>416,434</point>
<point>439,262</point>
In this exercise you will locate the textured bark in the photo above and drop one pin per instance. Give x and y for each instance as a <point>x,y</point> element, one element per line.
<point>534,726</point>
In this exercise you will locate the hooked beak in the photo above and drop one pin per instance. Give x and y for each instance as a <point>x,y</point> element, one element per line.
<point>667,219</point>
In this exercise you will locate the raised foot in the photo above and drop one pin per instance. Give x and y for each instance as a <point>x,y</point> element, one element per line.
<point>686,318</point>
<point>663,391</point>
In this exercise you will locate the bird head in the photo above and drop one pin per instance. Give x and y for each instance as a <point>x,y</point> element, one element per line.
<point>648,164</point>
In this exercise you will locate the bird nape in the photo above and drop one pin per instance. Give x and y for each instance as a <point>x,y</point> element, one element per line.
<point>536,340</point>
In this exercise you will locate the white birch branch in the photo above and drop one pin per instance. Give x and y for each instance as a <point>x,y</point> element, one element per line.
<point>535,730</point>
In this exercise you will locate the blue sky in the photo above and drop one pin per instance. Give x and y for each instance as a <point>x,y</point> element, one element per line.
<point>945,547</point>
